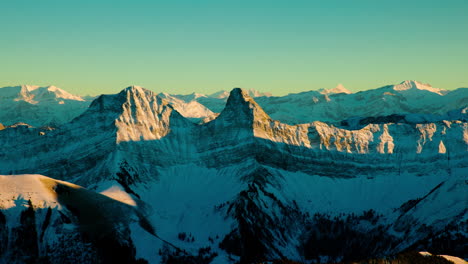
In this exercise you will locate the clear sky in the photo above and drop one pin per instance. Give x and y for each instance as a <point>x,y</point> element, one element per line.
<point>93,47</point>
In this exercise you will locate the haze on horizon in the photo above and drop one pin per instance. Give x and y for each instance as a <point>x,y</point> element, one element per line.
<point>94,47</point>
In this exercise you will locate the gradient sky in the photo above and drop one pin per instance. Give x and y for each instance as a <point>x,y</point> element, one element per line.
<point>93,47</point>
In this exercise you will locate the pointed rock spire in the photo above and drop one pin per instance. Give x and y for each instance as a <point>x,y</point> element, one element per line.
<point>240,106</point>
<point>238,122</point>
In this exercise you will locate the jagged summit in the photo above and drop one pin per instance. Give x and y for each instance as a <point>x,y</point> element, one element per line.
<point>135,88</point>
<point>136,92</point>
<point>240,104</point>
<point>412,84</point>
<point>126,95</point>
<point>138,114</point>
<point>237,93</point>
<point>243,120</point>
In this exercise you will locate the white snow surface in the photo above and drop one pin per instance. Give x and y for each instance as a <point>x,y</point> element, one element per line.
<point>15,190</point>
<point>189,107</point>
<point>455,260</point>
<point>116,192</point>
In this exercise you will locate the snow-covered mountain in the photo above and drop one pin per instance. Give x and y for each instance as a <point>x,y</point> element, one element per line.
<point>51,106</point>
<point>409,97</point>
<point>415,85</point>
<point>337,90</point>
<point>242,187</point>
<point>39,106</point>
<point>337,104</point>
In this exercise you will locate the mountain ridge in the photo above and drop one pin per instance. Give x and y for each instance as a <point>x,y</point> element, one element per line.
<point>329,105</point>
<point>247,188</point>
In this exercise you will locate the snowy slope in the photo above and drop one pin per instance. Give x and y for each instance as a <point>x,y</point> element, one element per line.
<point>43,219</point>
<point>39,106</point>
<point>453,259</point>
<point>247,187</point>
<point>188,106</point>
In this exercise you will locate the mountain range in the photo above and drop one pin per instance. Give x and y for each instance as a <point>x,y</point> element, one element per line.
<point>39,106</point>
<point>338,104</point>
<point>133,179</point>
<point>52,106</point>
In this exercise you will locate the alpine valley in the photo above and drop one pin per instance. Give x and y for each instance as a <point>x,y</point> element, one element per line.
<point>322,176</point>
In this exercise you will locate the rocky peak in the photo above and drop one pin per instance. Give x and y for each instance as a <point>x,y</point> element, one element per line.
<point>134,89</point>
<point>240,106</point>
<point>238,122</point>
<point>138,114</point>
<point>142,115</point>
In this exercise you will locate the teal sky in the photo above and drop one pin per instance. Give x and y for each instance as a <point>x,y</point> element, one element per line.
<point>94,47</point>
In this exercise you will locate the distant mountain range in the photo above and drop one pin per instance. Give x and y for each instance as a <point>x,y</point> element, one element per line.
<point>39,106</point>
<point>52,106</point>
<point>133,180</point>
<point>337,104</point>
